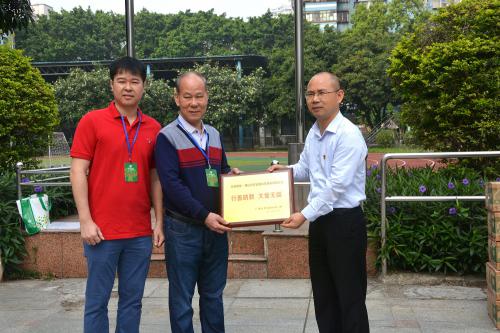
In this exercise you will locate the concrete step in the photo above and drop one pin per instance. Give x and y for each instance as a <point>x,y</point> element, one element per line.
<point>157,266</point>
<point>247,266</point>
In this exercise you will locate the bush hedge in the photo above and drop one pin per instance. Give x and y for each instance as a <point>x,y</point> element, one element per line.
<point>430,236</point>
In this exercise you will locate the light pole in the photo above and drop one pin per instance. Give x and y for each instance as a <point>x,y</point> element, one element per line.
<point>129,22</point>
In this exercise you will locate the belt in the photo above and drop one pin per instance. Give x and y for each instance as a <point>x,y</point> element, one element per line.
<point>342,211</point>
<point>181,217</point>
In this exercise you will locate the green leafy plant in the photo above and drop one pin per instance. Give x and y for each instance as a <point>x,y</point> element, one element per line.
<point>28,112</point>
<point>11,237</point>
<point>430,236</point>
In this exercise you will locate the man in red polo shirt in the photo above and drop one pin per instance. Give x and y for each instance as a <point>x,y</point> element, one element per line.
<point>114,183</point>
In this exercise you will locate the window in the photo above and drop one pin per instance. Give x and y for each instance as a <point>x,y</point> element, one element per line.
<point>343,16</point>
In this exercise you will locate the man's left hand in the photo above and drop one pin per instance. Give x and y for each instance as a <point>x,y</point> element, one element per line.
<point>158,236</point>
<point>294,221</point>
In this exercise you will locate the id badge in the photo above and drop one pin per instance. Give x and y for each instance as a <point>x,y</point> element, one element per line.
<point>131,174</point>
<point>212,178</point>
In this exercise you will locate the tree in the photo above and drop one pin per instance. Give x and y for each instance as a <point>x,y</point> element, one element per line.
<point>200,34</point>
<point>28,112</point>
<point>15,14</point>
<point>365,49</point>
<point>83,91</point>
<point>447,74</point>
<point>75,35</point>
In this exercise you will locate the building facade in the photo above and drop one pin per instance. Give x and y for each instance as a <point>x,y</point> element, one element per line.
<point>337,14</point>
<point>41,9</point>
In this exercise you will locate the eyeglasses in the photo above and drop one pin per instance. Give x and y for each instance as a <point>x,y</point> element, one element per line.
<point>320,94</point>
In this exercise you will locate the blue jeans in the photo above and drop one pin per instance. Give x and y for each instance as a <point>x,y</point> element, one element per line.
<point>130,258</point>
<point>195,255</point>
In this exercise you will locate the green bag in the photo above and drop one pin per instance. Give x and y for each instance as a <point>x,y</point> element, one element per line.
<point>34,211</point>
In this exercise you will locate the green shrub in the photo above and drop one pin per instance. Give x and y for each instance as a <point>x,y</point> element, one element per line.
<point>28,112</point>
<point>385,138</point>
<point>430,236</point>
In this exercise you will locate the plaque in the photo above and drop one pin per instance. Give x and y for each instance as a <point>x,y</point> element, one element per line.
<point>257,198</point>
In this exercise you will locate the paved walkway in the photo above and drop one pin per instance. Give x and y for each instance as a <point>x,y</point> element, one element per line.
<point>259,306</point>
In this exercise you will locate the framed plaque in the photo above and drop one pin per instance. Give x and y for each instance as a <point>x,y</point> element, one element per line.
<point>257,198</point>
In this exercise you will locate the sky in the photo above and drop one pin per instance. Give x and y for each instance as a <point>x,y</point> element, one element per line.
<point>232,8</point>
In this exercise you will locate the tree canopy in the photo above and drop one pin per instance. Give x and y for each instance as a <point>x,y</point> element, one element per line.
<point>364,55</point>
<point>447,73</point>
<point>360,56</point>
<point>15,14</point>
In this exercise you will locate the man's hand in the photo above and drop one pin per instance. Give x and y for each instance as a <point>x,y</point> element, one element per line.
<point>90,232</point>
<point>158,236</point>
<point>294,221</point>
<point>276,167</point>
<point>216,223</point>
<point>236,171</point>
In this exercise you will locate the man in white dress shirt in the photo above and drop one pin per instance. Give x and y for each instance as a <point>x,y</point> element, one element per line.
<point>333,160</point>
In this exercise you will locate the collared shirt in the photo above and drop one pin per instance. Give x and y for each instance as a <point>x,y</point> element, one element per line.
<point>201,138</point>
<point>120,209</point>
<point>334,163</point>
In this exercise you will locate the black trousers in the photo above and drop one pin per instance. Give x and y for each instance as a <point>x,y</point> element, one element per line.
<point>337,261</point>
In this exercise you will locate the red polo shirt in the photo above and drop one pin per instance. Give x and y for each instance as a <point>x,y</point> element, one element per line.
<point>120,209</point>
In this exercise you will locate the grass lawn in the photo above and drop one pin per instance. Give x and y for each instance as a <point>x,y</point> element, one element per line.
<point>245,163</point>
<point>394,150</point>
<point>253,163</point>
<point>54,161</point>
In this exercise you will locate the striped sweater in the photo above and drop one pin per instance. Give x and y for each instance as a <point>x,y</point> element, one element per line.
<point>181,168</point>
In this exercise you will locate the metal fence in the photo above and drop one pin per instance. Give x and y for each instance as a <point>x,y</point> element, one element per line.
<point>384,198</point>
<point>40,177</point>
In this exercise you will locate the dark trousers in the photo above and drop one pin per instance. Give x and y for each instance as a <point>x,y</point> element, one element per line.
<point>195,256</point>
<point>130,258</point>
<point>337,261</point>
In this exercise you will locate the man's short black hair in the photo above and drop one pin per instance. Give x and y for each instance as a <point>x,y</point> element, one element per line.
<point>127,64</point>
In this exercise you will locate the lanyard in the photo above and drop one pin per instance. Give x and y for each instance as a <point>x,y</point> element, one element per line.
<point>130,147</point>
<point>206,153</point>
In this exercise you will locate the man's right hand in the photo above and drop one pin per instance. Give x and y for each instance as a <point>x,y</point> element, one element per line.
<point>276,167</point>
<point>91,234</point>
<point>216,223</point>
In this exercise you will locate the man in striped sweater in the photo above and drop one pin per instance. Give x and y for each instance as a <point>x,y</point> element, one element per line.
<point>190,159</point>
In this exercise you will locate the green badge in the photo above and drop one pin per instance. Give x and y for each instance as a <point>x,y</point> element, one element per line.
<point>212,178</point>
<point>131,175</point>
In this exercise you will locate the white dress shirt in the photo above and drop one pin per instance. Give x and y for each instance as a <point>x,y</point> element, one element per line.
<point>334,163</point>
<point>201,138</point>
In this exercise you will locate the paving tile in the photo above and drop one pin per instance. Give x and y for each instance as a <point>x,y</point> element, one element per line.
<point>281,288</point>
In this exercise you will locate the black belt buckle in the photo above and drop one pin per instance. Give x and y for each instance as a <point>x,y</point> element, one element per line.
<point>343,211</point>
